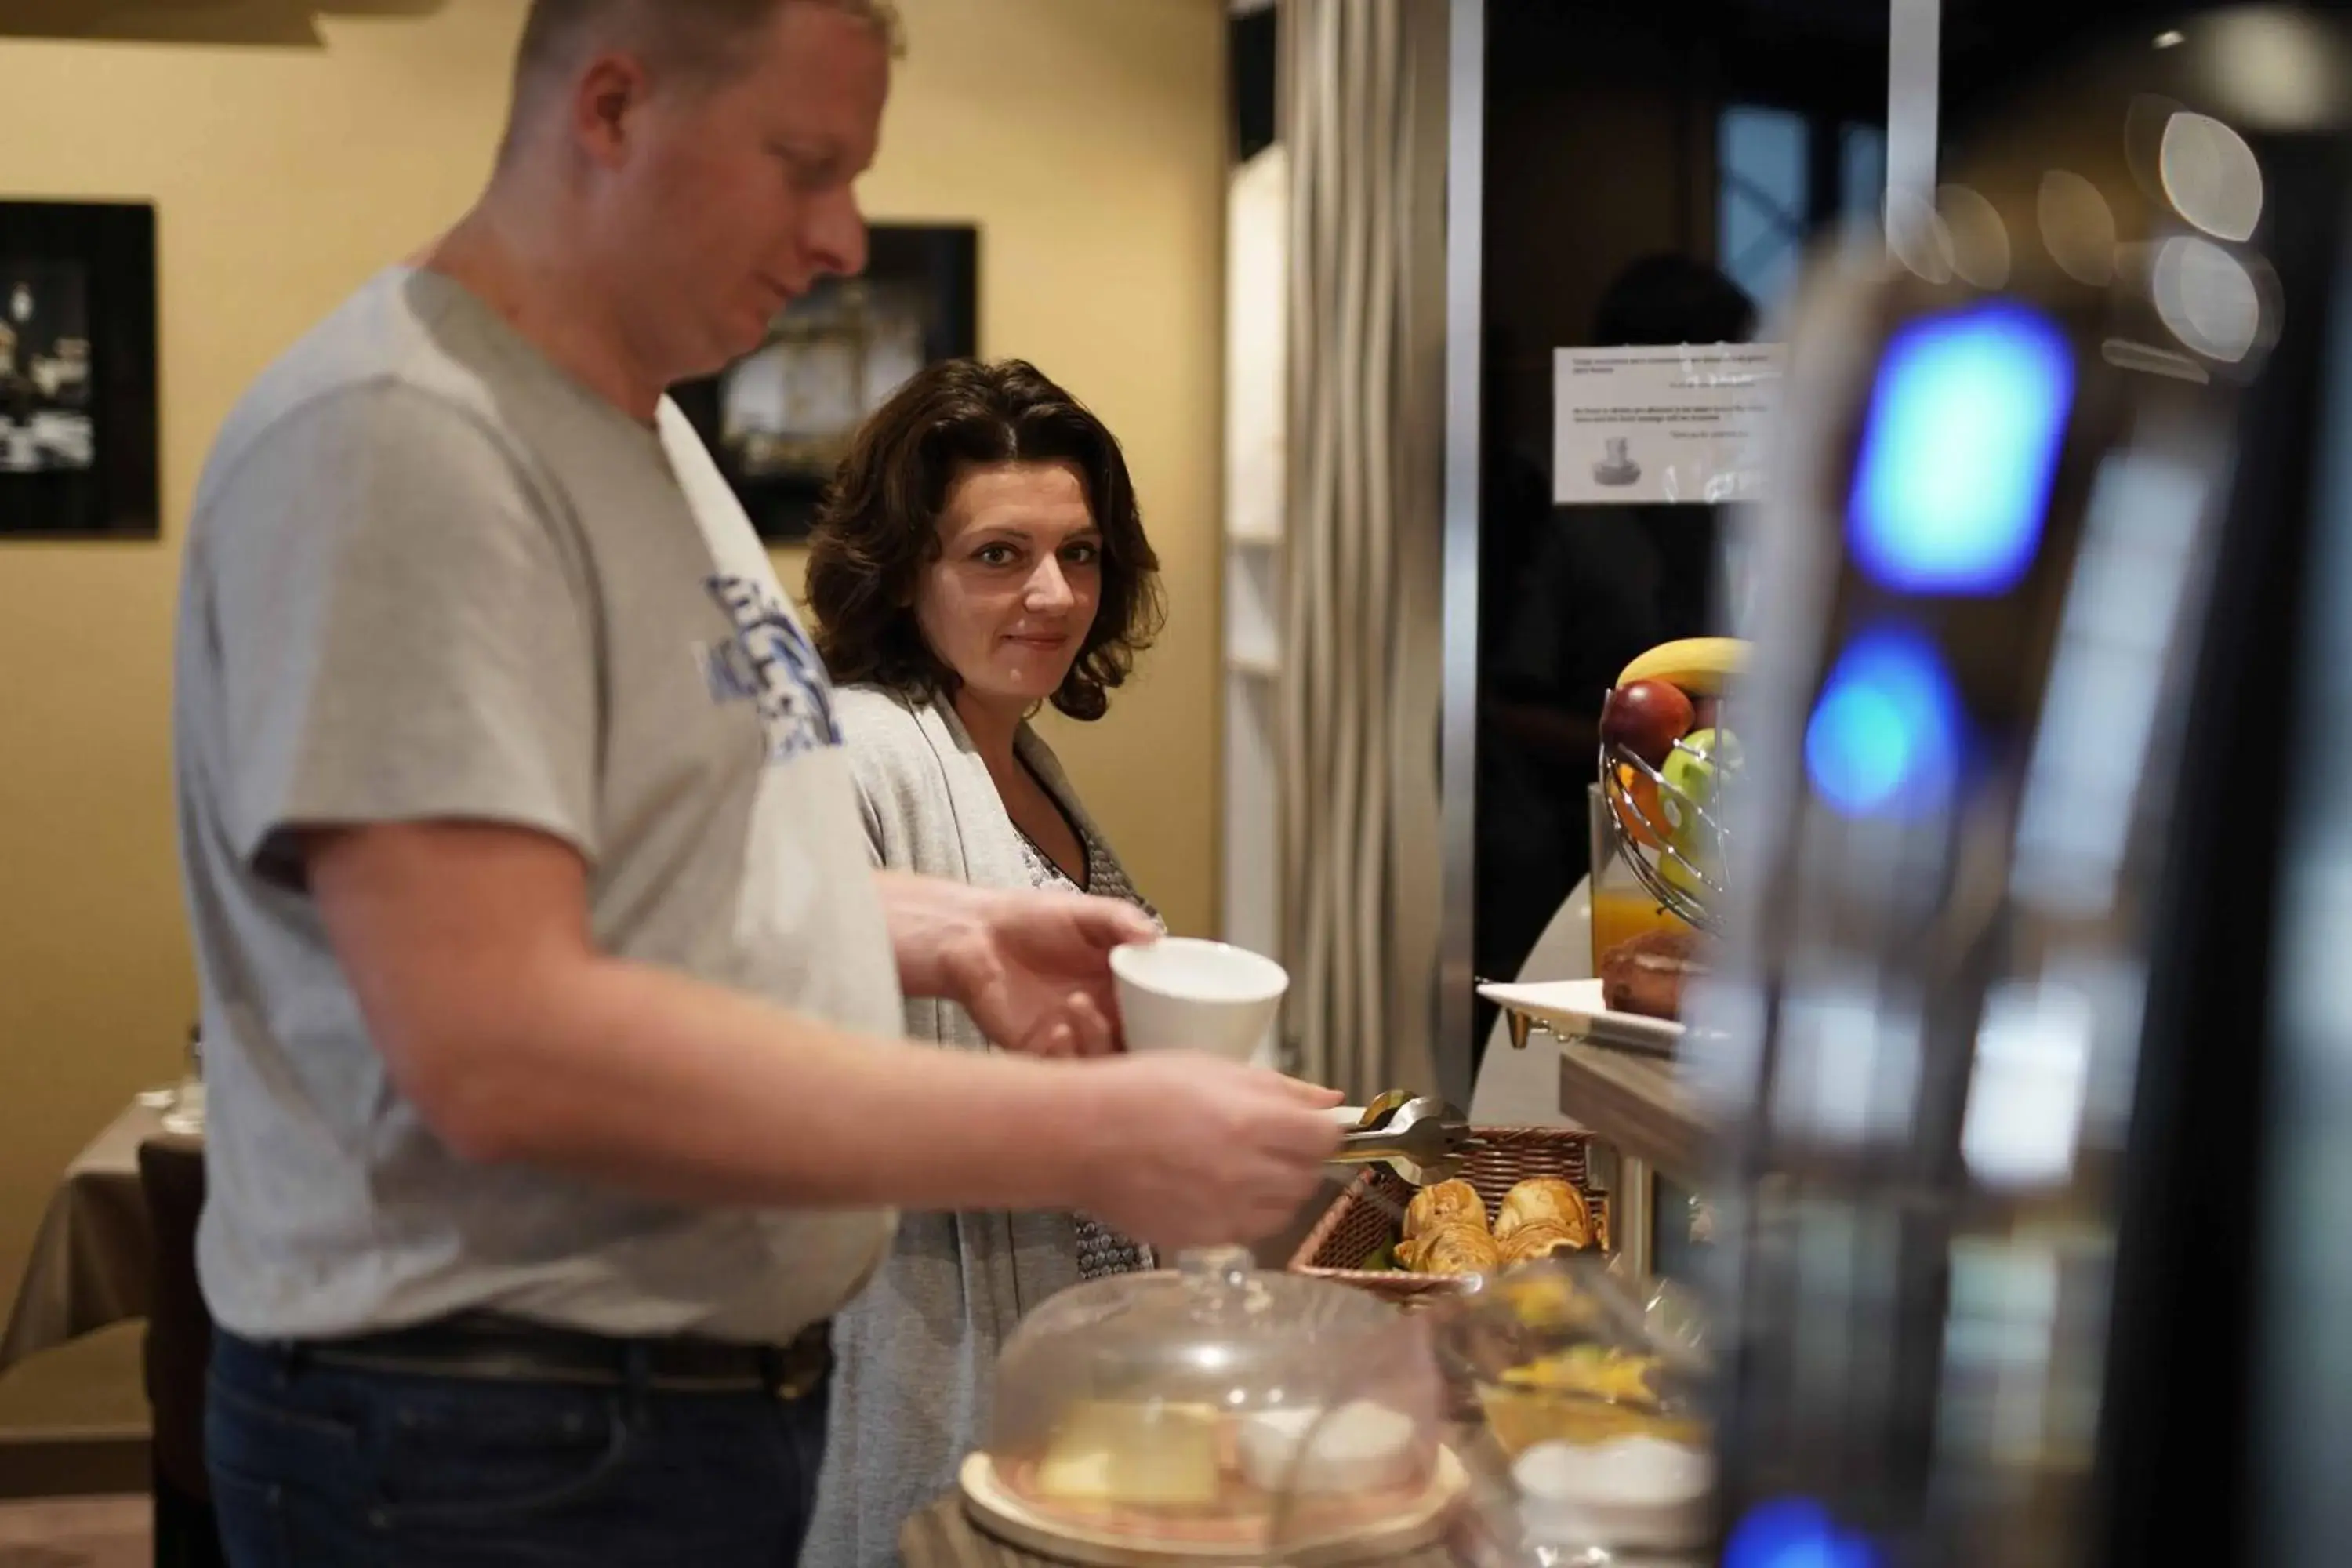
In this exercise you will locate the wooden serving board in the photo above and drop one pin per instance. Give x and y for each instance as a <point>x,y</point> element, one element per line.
<point>998,1510</point>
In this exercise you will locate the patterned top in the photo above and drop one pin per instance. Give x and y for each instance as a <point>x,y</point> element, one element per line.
<point>1102,1252</point>
<point>1105,878</point>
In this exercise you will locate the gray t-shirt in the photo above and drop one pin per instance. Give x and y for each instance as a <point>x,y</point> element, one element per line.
<point>430,575</point>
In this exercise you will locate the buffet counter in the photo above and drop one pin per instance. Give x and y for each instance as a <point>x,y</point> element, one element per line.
<point>1645,1123</point>
<point>1638,1105</point>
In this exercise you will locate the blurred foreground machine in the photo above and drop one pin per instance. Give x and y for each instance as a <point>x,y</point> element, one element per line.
<point>2044,1051</point>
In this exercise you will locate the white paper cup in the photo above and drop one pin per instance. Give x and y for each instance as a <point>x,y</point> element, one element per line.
<point>1181,993</point>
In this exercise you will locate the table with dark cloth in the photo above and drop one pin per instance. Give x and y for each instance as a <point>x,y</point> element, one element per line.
<point>92,1263</point>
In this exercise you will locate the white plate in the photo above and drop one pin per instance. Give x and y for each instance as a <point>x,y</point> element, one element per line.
<point>1574,1010</point>
<point>1005,1513</point>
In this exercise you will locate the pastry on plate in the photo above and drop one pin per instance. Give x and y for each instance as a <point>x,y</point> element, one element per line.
<point>1545,1200</point>
<point>1446,1204</point>
<point>1531,1243</point>
<point>1457,1248</point>
<point>1647,974</point>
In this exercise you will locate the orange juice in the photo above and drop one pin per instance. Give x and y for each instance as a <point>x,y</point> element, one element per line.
<point>1622,913</point>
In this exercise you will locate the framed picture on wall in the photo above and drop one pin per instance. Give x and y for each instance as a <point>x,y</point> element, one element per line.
<point>779,419</point>
<point>78,380</point>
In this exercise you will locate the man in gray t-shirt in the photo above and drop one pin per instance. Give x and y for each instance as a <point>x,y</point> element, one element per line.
<point>547,993</point>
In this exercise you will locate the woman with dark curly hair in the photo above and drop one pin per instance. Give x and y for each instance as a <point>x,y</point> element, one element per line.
<point>979,556</point>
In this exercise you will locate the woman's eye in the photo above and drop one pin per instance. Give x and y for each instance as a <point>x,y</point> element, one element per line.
<point>995,555</point>
<point>1083,555</point>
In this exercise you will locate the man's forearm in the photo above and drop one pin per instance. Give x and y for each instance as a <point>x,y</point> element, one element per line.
<point>933,922</point>
<point>695,1094</point>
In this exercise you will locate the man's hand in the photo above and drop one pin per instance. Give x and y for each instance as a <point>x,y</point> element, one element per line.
<point>1039,980</point>
<point>1194,1150</point>
<point>1032,968</point>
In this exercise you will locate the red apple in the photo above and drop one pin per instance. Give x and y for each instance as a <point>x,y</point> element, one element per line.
<point>1646,718</point>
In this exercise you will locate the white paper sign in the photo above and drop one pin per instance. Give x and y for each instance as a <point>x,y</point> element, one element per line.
<point>1648,425</point>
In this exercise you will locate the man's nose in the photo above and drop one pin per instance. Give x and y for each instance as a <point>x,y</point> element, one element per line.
<point>836,233</point>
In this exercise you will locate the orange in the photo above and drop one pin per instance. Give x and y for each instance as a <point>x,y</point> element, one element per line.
<point>1642,815</point>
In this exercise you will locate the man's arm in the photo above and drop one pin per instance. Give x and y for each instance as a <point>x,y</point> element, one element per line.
<point>469,949</point>
<point>934,926</point>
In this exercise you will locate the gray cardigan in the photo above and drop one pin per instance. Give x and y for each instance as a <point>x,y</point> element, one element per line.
<point>917,1350</point>
<point>932,807</point>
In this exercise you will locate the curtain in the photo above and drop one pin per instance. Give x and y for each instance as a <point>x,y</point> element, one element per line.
<point>1363,118</point>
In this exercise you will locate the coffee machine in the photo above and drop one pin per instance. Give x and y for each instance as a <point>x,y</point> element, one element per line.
<point>2035,1029</point>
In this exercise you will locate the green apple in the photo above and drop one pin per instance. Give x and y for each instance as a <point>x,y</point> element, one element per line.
<point>1695,772</point>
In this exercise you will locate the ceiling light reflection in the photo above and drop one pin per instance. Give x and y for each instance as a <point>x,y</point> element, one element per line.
<point>2208,298</point>
<point>2211,176</point>
<point>1980,240</point>
<point>2078,227</point>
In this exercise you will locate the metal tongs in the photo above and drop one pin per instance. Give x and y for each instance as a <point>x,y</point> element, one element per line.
<point>1420,1137</point>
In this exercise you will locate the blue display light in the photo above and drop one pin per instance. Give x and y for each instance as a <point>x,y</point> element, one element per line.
<point>1887,734</point>
<point>1959,451</point>
<point>1793,1532</point>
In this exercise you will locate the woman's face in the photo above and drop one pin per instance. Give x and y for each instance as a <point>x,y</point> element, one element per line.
<point>1009,600</point>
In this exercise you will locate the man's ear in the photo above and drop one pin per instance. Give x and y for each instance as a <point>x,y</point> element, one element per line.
<point>605,101</point>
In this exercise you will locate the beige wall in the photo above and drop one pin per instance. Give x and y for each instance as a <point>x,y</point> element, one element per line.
<point>1084,136</point>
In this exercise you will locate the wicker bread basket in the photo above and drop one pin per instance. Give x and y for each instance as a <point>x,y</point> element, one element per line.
<point>1364,1218</point>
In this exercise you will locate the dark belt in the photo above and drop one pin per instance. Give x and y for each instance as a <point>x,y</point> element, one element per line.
<point>485,1347</point>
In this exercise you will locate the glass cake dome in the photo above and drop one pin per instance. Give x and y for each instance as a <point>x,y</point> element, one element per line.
<point>1592,1396</point>
<point>1217,1412</point>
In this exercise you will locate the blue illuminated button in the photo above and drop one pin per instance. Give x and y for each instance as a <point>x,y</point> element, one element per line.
<point>1886,736</point>
<point>1959,451</point>
<point>1792,1532</point>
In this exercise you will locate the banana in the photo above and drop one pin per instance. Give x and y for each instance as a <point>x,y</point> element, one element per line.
<point>1701,665</point>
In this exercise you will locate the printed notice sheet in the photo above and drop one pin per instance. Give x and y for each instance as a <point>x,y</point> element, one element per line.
<point>1641,425</point>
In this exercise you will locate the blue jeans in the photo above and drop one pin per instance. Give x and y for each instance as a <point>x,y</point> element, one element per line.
<point>315,1466</point>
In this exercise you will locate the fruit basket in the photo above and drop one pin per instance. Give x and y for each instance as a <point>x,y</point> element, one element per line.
<point>1668,759</point>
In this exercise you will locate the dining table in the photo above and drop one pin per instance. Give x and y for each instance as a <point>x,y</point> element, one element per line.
<point>92,1262</point>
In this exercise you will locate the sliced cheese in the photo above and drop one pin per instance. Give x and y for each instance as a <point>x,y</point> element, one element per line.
<point>1138,1455</point>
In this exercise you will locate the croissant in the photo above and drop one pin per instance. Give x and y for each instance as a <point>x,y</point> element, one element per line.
<point>1452,1249</point>
<point>1542,1239</point>
<point>1446,1204</point>
<point>1545,1200</point>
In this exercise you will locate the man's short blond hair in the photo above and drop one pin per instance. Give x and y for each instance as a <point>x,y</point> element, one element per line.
<point>696,37</point>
